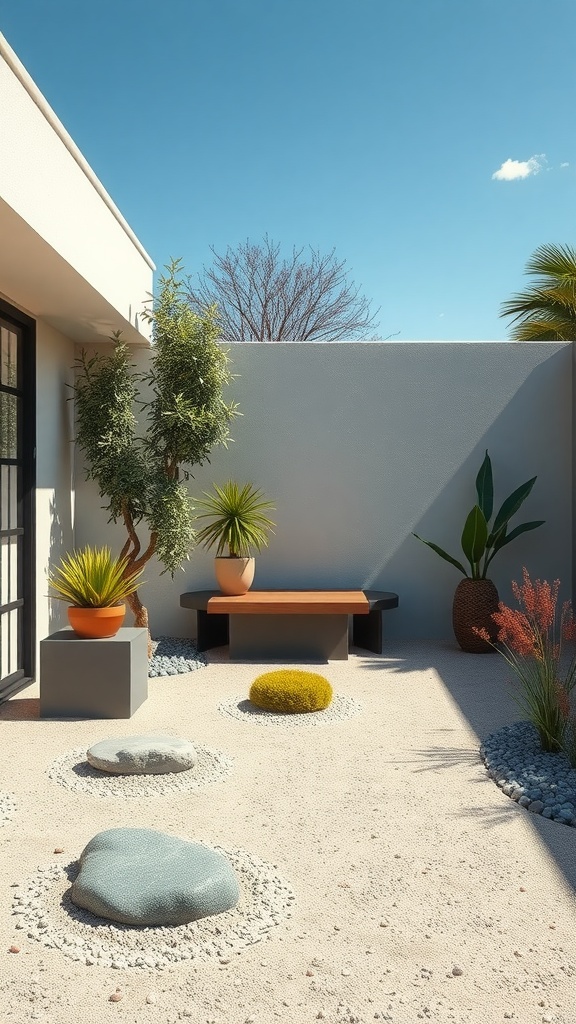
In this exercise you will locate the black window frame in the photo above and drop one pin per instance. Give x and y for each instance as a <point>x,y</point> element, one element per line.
<point>26,673</point>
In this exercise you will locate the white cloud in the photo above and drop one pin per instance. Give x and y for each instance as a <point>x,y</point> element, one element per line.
<point>565,164</point>
<point>511,170</point>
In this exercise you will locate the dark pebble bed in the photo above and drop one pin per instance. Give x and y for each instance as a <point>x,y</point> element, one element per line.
<point>543,783</point>
<point>173,656</point>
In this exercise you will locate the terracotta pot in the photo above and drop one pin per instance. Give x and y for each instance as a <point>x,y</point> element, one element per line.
<point>234,575</point>
<point>96,623</point>
<point>474,602</point>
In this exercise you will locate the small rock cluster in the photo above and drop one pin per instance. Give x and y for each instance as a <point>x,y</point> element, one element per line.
<point>541,782</point>
<point>7,807</point>
<point>43,911</point>
<point>72,771</point>
<point>174,656</point>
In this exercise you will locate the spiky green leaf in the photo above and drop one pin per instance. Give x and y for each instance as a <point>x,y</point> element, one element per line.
<point>443,554</point>
<point>512,504</point>
<point>485,487</point>
<point>474,536</point>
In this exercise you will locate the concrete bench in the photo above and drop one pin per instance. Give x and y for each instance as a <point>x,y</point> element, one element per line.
<point>302,624</point>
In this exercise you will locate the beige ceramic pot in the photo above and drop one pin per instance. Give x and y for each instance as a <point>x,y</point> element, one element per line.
<point>234,575</point>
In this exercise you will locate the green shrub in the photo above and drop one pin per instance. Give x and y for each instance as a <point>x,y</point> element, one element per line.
<point>291,691</point>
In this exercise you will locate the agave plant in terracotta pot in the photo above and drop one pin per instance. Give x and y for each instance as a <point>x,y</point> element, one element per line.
<point>476,596</point>
<point>94,584</point>
<point>238,524</point>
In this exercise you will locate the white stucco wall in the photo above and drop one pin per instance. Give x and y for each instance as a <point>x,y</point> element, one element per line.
<point>361,444</point>
<point>54,470</point>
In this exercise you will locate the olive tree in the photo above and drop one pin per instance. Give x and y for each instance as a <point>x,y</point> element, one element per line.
<point>142,475</point>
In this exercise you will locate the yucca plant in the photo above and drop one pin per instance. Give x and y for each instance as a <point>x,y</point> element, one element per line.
<point>93,578</point>
<point>238,520</point>
<point>480,541</point>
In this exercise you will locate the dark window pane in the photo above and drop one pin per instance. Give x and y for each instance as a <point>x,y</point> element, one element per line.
<point>8,426</point>
<point>8,357</point>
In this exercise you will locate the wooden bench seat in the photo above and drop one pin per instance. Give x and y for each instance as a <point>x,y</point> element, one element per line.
<point>291,602</point>
<point>300,624</point>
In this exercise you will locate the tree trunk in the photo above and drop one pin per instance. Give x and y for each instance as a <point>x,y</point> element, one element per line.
<point>140,613</point>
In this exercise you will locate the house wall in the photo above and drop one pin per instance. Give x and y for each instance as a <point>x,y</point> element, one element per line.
<point>361,444</point>
<point>60,197</point>
<point>54,470</point>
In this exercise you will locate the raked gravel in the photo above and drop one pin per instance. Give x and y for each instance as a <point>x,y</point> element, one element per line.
<point>72,771</point>
<point>7,807</point>
<point>541,782</point>
<point>342,707</point>
<point>44,912</point>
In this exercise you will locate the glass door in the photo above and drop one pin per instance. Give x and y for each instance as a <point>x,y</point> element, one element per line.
<point>17,450</point>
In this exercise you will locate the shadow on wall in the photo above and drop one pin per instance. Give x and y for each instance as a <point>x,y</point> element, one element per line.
<point>518,450</point>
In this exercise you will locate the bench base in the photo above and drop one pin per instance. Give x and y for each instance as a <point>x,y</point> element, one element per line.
<point>288,637</point>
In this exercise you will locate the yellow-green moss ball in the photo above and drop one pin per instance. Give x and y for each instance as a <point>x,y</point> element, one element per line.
<point>290,691</point>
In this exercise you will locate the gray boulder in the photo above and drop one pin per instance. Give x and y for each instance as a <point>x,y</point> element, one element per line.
<point>142,877</point>
<point>142,755</point>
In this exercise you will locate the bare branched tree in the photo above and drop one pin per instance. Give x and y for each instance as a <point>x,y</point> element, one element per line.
<point>262,296</point>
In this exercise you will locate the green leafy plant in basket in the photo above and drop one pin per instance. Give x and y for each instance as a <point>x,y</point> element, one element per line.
<point>476,597</point>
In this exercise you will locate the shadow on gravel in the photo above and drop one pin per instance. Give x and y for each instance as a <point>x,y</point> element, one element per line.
<point>481,687</point>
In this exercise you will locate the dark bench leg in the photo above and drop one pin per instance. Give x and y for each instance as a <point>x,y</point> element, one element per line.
<point>212,630</point>
<point>367,631</point>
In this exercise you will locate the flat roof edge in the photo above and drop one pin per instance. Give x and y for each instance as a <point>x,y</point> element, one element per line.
<point>13,62</point>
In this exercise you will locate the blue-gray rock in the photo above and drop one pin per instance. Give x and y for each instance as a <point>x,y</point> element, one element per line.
<point>142,877</point>
<point>536,807</point>
<point>154,754</point>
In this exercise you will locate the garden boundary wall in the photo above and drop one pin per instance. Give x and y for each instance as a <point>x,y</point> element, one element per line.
<point>362,444</point>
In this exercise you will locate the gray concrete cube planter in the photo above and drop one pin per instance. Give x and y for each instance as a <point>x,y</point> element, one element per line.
<point>93,678</point>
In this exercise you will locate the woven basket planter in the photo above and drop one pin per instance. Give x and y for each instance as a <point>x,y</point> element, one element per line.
<point>474,602</point>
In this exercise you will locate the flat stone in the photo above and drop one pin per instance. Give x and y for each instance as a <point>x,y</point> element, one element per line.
<point>142,877</point>
<point>142,755</point>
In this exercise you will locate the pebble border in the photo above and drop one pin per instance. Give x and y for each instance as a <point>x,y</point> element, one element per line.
<point>43,910</point>
<point>8,807</point>
<point>241,708</point>
<point>73,771</point>
<point>174,656</point>
<point>541,782</point>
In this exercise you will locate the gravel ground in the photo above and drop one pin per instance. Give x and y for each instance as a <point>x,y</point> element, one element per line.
<point>243,709</point>
<point>422,893</point>
<point>7,807</point>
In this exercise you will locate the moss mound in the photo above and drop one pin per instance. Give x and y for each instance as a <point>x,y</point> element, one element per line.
<point>291,692</point>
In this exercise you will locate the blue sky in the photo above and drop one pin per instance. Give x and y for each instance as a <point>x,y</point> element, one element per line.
<point>372,127</point>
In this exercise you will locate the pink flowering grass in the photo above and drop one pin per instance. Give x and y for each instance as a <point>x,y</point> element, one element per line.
<point>530,638</point>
